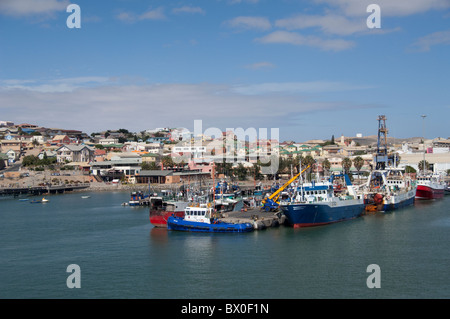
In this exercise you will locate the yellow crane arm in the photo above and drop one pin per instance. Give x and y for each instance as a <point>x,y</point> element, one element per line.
<point>277,193</point>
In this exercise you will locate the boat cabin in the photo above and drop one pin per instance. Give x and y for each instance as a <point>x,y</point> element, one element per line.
<point>198,214</point>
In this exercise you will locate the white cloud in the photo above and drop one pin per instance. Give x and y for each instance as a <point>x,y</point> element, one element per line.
<point>297,88</point>
<point>143,106</point>
<point>155,14</point>
<point>188,9</point>
<point>259,65</point>
<point>388,7</point>
<point>437,38</point>
<point>32,7</point>
<point>330,23</point>
<point>257,23</point>
<point>285,37</point>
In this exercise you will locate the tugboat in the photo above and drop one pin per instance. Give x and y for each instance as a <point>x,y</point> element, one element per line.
<point>199,218</point>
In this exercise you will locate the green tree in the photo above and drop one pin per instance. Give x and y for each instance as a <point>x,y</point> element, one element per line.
<point>309,160</point>
<point>326,165</point>
<point>149,166</point>
<point>421,165</point>
<point>167,161</point>
<point>358,162</point>
<point>255,171</point>
<point>410,169</point>
<point>241,172</point>
<point>346,165</point>
<point>30,160</point>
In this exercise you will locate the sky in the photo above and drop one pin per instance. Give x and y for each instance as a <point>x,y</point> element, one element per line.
<point>311,68</point>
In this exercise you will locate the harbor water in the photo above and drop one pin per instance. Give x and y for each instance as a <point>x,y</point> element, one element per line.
<point>121,255</point>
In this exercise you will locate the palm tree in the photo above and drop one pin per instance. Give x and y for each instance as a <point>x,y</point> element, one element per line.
<point>309,160</point>
<point>346,165</point>
<point>358,162</point>
<point>326,165</point>
<point>427,165</point>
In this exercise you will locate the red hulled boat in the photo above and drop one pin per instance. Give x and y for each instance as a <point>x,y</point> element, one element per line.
<point>161,210</point>
<point>430,187</point>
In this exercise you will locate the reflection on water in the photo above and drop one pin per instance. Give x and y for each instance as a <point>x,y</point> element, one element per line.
<point>122,255</point>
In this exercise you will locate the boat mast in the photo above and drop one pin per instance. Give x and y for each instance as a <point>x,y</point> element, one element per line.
<point>423,134</point>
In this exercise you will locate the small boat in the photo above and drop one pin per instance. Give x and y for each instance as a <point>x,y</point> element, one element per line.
<point>85,196</point>
<point>137,199</point>
<point>35,201</point>
<point>44,200</point>
<point>23,199</point>
<point>199,218</point>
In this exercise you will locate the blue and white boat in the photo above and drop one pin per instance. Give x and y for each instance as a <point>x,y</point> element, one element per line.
<point>321,203</point>
<point>388,189</point>
<point>199,218</point>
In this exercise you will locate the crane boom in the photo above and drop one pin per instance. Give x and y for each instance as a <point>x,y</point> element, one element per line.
<point>272,199</point>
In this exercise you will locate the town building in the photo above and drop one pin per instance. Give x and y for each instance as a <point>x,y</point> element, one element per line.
<point>74,153</point>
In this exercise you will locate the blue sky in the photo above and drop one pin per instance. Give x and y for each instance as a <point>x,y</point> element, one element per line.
<point>311,68</point>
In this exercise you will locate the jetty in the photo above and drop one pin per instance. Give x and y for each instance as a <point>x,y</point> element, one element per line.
<point>39,190</point>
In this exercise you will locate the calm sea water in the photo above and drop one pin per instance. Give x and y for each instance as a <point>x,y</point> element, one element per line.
<point>121,255</point>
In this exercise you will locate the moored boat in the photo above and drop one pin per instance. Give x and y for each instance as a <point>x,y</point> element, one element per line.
<point>161,210</point>
<point>199,218</point>
<point>136,198</point>
<point>430,187</point>
<point>388,190</point>
<point>321,203</point>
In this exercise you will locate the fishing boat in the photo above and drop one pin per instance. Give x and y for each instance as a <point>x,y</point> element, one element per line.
<point>388,189</point>
<point>200,218</point>
<point>225,190</point>
<point>430,187</point>
<point>137,199</point>
<point>161,210</point>
<point>324,202</point>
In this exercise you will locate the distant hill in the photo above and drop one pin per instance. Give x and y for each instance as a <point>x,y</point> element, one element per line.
<point>372,140</point>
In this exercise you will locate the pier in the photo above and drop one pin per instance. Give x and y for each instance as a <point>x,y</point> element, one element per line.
<point>39,190</point>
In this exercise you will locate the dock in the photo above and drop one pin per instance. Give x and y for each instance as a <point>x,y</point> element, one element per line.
<point>260,219</point>
<point>39,190</point>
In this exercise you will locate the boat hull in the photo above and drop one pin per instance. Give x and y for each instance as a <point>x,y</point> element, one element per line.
<point>426,192</point>
<point>179,224</point>
<point>160,218</point>
<point>316,214</point>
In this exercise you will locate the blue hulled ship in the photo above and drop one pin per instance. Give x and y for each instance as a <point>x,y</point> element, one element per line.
<point>321,203</point>
<point>199,218</point>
